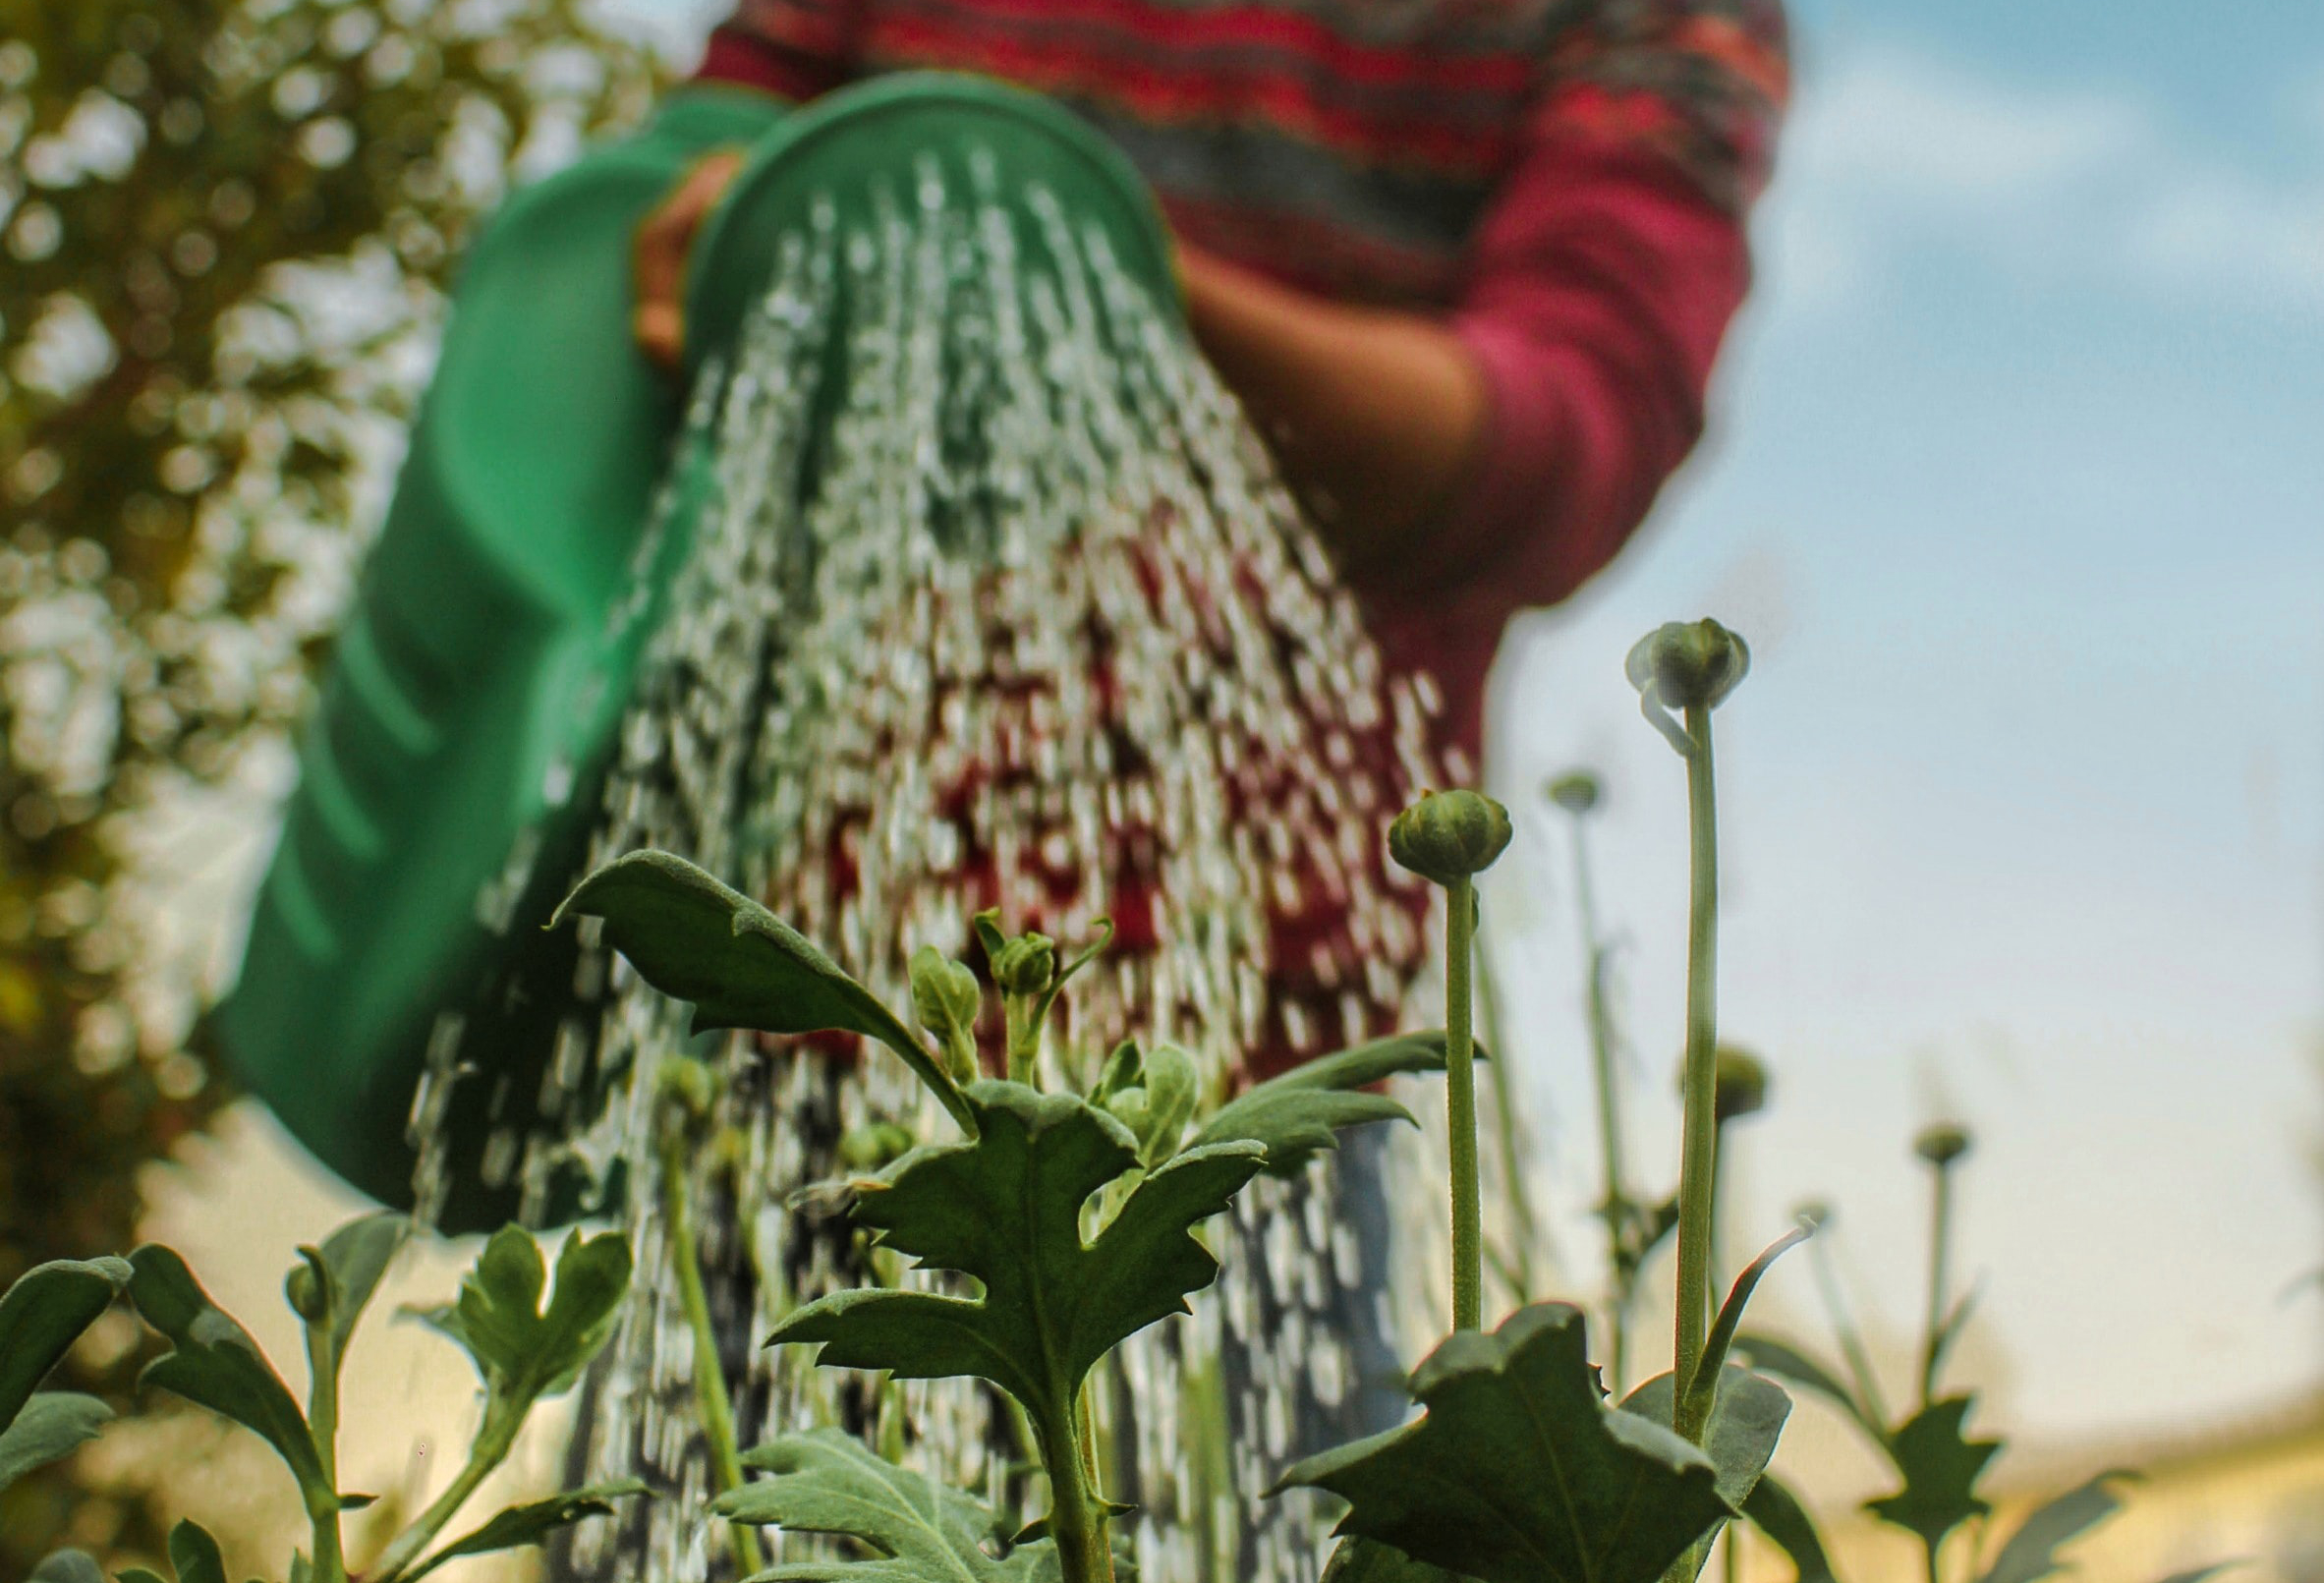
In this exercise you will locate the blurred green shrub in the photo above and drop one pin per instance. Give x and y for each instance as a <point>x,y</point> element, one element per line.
<point>224,234</point>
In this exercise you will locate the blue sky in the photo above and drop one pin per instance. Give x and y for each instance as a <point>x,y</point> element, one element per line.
<point>2016,484</point>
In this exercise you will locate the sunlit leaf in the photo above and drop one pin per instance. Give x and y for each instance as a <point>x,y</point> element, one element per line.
<point>1519,1471</point>
<point>214,1363</point>
<point>43,1314</point>
<point>353,1259</point>
<point>531,1523</point>
<point>1299,1114</point>
<point>698,941</point>
<point>1739,1436</point>
<point>522,1350</point>
<point>193,1555</point>
<point>916,1531</point>
<point>50,1427</point>
<point>1005,1209</point>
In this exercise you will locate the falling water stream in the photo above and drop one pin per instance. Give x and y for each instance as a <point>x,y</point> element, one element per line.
<point>989,597</point>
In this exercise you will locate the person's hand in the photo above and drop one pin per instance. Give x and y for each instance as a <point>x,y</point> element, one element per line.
<point>664,241</point>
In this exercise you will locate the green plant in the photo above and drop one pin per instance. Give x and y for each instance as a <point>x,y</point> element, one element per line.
<point>1937,1464</point>
<point>1072,1211</point>
<point>524,1351</point>
<point>1633,1230</point>
<point>1073,1214</point>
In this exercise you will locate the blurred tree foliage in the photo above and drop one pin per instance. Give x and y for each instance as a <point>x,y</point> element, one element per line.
<point>225,226</point>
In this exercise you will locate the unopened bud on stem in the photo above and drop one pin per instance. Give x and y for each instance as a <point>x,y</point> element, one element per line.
<point>1576,791</point>
<point>1688,664</point>
<point>1449,836</point>
<point>1942,1144</point>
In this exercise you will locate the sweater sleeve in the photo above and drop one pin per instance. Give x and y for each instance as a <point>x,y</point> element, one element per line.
<point>1600,281</point>
<point>797,49</point>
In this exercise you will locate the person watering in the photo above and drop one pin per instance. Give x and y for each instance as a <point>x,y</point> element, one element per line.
<point>1467,263</point>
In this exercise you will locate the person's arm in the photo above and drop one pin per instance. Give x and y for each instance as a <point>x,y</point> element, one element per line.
<point>1376,415</point>
<point>1517,441</point>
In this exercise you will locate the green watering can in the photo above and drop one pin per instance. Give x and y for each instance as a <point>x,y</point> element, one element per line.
<point>449,777</point>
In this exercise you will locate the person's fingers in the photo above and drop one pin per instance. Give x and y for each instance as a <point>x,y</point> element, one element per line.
<point>665,239</point>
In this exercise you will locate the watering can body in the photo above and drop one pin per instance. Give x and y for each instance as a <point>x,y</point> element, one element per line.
<point>448,778</point>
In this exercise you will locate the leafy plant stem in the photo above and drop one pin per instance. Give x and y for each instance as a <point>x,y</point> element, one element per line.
<point>494,1438</point>
<point>1940,1252</point>
<point>710,1380</point>
<point>1615,1208</point>
<point>1077,1520</point>
<point>1524,1229</point>
<point>1843,1325</point>
<point>1460,1090</point>
<point>322,1421</point>
<point>1699,1160</point>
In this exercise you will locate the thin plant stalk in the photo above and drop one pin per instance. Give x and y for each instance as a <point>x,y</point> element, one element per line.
<point>1077,1520</point>
<point>1616,1209</point>
<point>1843,1325</point>
<point>1699,1150</point>
<point>1940,1253</point>
<point>1524,1227</point>
<point>1460,1087</point>
<point>494,1439</point>
<point>709,1379</point>
<point>322,1418</point>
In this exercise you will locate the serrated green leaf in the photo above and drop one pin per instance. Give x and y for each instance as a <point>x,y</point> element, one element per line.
<point>70,1566</point>
<point>1005,1209</point>
<point>42,1314</point>
<point>52,1426</point>
<point>353,1259</point>
<point>1357,1560</point>
<point>522,1350</point>
<point>1152,1095</point>
<point>1777,1512</point>
<point>1519,1471</point>
<point>214,1364</point>
<point>1786,1362</point>
<point>2032,1551</point>
<point>917,1531</point>
<point>531,1523</point>
<point>1298,1114</point>
<point>1940,1467</point>
<point>701,941</point>
<point>1739,1434</point>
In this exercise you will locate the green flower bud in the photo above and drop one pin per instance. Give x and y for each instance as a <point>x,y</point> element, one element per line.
<point>945,998</point>
<point>307,1288</point>
<point>1688,664</point>
<point>871,1146</point>
<point>1943,1144</point>
<point>1576,791</point>
<point>1815,1215</point>
<point>1739,1085</point>
<point>688,1087</point>
<point>1448,836</point>
<point>1026,964</point>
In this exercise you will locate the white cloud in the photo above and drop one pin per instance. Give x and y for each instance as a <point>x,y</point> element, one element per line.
<point>1893,150</point>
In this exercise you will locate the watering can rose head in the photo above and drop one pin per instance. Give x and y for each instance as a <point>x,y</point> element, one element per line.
<point>1449,836</point>
<point>1942,1144</point>
<point>1688,664</point>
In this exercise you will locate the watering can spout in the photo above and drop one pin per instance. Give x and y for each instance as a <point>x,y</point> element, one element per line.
<point>448,786</point>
